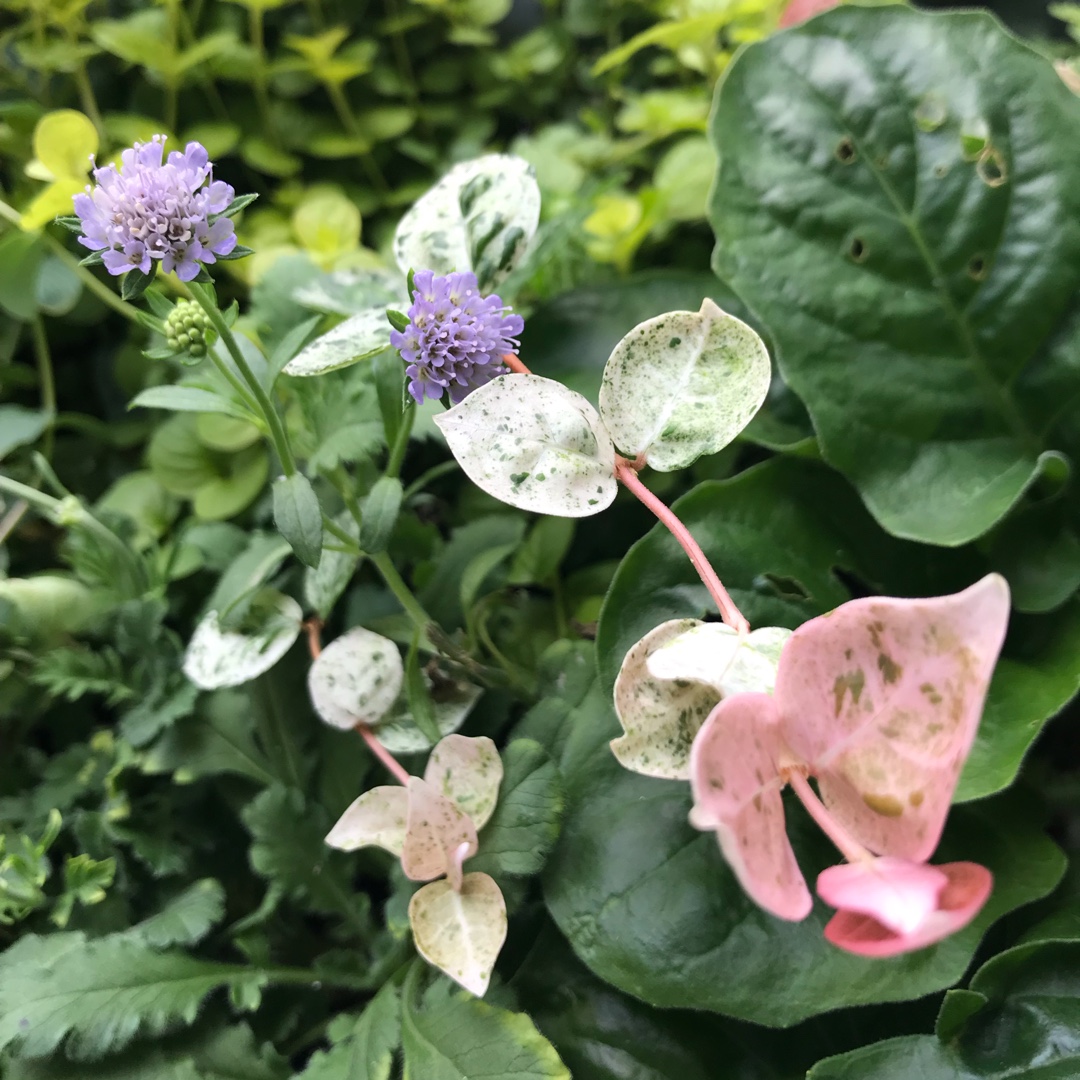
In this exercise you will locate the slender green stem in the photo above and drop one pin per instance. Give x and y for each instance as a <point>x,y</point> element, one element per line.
<point>396,584</point>
<point>427,477</point>
<point>261,398</point>
<point>401,442</point>
<point>86,93</point>
<point>258,41</point>
<point>46,379</point>
<point>349,122</point>
<point>332,527</point>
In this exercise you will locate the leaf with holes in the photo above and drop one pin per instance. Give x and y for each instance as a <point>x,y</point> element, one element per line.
<point>682,385</point>
<point>358,338</point>
<point>460,932</point>
<point>217,658</point>
<point>480,217</point>
<point>917,178</point>
<point>535,445</point>
<point>356,679</point>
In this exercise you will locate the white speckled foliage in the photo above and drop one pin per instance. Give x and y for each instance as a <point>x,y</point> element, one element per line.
<point>356,679</point>
<point>682,385</point>
<point>479,217</point>
<point>359,337</point>
<point>398,732</point>
<point>460,931</point>
<point>534,444</point>
<point>469,772</point>
<point>217,658</point>
<point>377,818</point>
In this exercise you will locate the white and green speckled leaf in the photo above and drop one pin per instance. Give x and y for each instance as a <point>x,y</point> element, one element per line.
<point>682,385</point>
<point>217,658</point>
<point>714,654</point>
<point>534,444</point>
<point>480,216</point>
<point>660,717</point>
<point>357,338</point>
<point>349,292</point>
<point>461,933</point>
<point>399,733</point>
<point>468,772</point>
<point>378,817</point>
<point>356,679</point>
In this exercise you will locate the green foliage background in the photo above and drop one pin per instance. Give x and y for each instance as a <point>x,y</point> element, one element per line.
<point>890,197</point>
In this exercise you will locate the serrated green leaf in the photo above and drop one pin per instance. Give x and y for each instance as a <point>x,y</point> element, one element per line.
<point>364,1045</point>
<point>450,1035</point>
<point>185,920</point>
<point>98,995</point>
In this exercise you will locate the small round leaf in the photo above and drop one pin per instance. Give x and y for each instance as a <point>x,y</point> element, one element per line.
<point>468,772</point>
<point>535,445</point>
<point>356,679</point>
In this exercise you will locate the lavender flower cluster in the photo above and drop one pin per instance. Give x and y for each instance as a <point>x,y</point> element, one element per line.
<point>456,338</point>
<point>152,210</point>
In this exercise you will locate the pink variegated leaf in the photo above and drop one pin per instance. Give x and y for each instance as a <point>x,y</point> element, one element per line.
<point>468,772</point>
<point>881,699</point>
<point>377,817</point>
<point>439,836</point>
<point>736,788</point>
<point>890,906</point>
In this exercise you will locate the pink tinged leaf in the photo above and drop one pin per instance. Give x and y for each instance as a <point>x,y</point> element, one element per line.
<point>891,906</point>
<point>736,788</point>
<point>660,717</point>
<point>882,697</point>
<point>798,11</point>
<point>468,772</point>
<point>378,817</point>
<point>435,830</point>
<point>460,930</point>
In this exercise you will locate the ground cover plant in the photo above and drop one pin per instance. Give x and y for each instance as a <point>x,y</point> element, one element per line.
<point>537,542</point>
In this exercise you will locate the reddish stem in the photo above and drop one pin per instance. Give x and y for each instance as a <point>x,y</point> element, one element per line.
<point>393,766</point>
<point>627,476</point>
<point>626,473</point>
<point>848,846</point>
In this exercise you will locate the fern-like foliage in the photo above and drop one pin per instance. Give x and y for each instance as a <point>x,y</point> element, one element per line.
<point>74,671</point>
<point>96,996</point>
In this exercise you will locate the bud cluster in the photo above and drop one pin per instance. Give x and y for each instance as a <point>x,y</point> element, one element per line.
<point>186,327</point>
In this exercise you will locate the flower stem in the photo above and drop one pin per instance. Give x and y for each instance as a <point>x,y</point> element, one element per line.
<point>262,399</point>
<point>47,380</point>
<point>401,442</point>
<point>96,286</point>
<point>396,584</point>
<point>847,845</point>
<point>392,765</point>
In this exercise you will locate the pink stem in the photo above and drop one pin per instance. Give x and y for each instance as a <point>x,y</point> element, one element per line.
<point>847,845</point>
<point>626,474</point>
<point>313,627</point>
<point>393,766</point>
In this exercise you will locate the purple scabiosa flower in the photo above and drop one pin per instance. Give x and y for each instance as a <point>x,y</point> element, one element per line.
<point>152,210</point>
<point>456,338</point>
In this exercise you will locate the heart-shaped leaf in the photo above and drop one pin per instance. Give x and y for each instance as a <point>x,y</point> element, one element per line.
<point>479,217</point>
<point>736,786</point>
<point>439,835</point>
<point>460,932</point>
<point>359,337</point>
<point>682,385</point>
<point>356,679</point>
<point>217,658</point>
<point>377,817</point>
<point>922,300</point>
<point>468,772</point>
<point>882,697</point>
<point>719,656</point>
<point>535,445</point>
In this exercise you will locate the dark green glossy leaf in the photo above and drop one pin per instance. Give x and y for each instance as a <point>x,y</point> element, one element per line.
<point>650,905</point>
<point>921,304</point>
